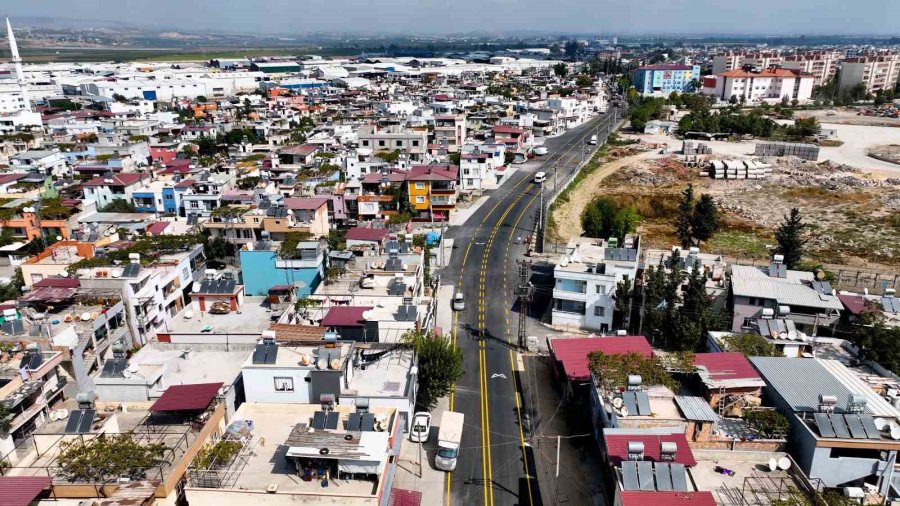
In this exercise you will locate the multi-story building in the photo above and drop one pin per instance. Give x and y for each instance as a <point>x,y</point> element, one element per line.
<point>432,190</point>
<point>265,264</point>
<point>881,72</point>
<point>662,80</point>
<point>821,64</point>
<point>753,87</point>
<point>450,131</point>
<point>478,166</point>
<point>412,143</point>
<point>737,60</point>
<point>41,161</point>
<point>585,281</point>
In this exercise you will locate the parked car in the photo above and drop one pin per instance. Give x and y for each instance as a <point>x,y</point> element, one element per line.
<point>540,151</point>
<point>420,428</point>
<point>459,302</point>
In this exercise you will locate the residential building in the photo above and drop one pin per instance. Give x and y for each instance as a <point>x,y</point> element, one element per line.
<point>832,414</point>
<point>778,292</point>
<point>662,80</point>
<point>44,162</point>
<point>514,138</point>
<point>585,280</point>
<point>823,65</point>
<point>770,85</point>
<point>734,61</point>
<point>432,190</point>
<point>31,385</point>
<point>103,190</point>
<point>265,264</point>
<point>412,143</point>
<point>478,166</point>
<point>571,366</point>
<point>450,131</point>
<point>877,73</point>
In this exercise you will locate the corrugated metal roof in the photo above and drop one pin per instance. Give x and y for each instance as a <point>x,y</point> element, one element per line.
<point>799,381</point>
<point>695,409</point>
<point>750,281</point>
<point>194,397</point>
<point>617,447</point>
<point>21,490</point>
<point>727,369</point>
<point>646,498</point>
<point>573,351</point>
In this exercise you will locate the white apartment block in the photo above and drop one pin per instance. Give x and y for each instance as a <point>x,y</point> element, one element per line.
<point>876,72</point>
<point>767,86</point>
<point>725,62</point>
<point>478,166</point>
<point>585,281</point>
<point>413,142</point>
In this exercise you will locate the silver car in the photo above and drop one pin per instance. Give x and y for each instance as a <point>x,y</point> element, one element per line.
<point>459,302</point>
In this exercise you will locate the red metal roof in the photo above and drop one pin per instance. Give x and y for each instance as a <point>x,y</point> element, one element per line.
<point>647,498</point>
<point>573,351</point>
<point>21,490</point>
<point>345,316</point>
<point>433,173</point>
<point>157,228</point>
<point>123,179</point>
<point>405,497</point>
<point>730,365</point>
<point>366,234</point>
<point>857,304</point>
<point>504,129</point>
<point>770,72</point>
<point>186,397</point>
<point>617,447</point>
<point>58,282</point>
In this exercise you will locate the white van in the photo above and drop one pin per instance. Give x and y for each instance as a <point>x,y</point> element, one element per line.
<point>540,177</point>
<point>593,140</point>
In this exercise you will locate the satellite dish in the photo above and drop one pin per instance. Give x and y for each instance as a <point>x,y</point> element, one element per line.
<point>116,273</point>
<point>54,416</point>
<point>62,414</point>
<point>617,402</point>
<point>299,284</point>
<point>304,359</point>
<point>784,463</point>
<point>85,316</point>
<point>188,314</point>
<point>895,432</point>
<point>133,368</point>
<point>773,465</point>
<point>126,373</point>
<point>624,410</point>
<point>880,423</point>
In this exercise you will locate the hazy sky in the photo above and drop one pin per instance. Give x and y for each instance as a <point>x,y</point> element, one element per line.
<point>441,16</point>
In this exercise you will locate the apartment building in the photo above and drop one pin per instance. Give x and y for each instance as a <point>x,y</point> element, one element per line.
<point>755,87</point>
<point>731,61</point>
<point>881,72</point>
<point>821,64</point>
<point>480,166</point>
<point>662,80</point>
<point>585,280</point>
<point>413,143</point>
<point>450,131</point>
<point>432,190</point>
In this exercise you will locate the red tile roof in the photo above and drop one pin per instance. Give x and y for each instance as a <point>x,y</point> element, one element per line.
<point>726,366</point>
<point>573,351</point>
<point>123,179</point>
<point>405,497</point>
<point>307,204</point>
<point>433,173</point>
<point>366,234</point>
<point>184,183</point>
<point>770,72</point>
<point>647,498</point>
<point>186,397</point>
<point>21,490</point>
<point>301,150</point>
<point>617,447</point>
<point>503,129</point>
<point>157,228</point>
<point>345,316</point>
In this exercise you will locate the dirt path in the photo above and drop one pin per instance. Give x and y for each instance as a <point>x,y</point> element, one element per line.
<point>568,216</point>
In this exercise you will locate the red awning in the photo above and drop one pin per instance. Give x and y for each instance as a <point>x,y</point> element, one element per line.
<point>21,490</point>
<point>49,294</point>
<point>186,397</point>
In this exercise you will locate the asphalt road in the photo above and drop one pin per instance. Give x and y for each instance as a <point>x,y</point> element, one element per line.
<point>494,452</point>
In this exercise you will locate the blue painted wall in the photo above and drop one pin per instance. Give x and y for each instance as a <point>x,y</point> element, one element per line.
<point>169,205</point>
<point>259,273</point>
<point>145,195</point>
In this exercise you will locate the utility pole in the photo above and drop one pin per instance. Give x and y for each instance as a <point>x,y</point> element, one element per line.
<point>541,210</point>
<point>524,294</point>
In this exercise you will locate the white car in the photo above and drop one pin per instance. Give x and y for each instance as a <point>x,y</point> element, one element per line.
<point>593,140</point>
<point>540,151</point>
<point>540,177</point>
<point>459,302</point>
<point>420,427</point>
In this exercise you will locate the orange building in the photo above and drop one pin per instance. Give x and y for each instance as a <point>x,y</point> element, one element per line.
<point>432,190</point>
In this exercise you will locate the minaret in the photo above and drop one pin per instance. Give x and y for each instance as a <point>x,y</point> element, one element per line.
<point>17,61</point>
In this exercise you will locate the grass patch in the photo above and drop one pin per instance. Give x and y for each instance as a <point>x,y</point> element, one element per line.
<point>831,143</point>
<point>737,243</point>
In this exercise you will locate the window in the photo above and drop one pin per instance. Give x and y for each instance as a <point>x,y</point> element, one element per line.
<point>381,144</point>
<point>747,322</point>
<point>568,306</point>
<point>365,143</point>
<point>599,311</point>
<point>284,384</point>
<point>751,301</point>
<point>601,289</point>
<point>420,186</point>
<point>415,143</point>
<point>420,200</point>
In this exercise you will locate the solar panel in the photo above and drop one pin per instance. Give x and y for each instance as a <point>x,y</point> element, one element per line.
<point>354,422</point>
<point>318,420</point>
<point>393,264</point>
<point>679,478</point>
<point>763,327</point>
<point>229,285</point>
<point>645,475</point>
<point>643,403</point>
<point>368,422</point>
<point>663,477</point>
<point>824,425</point>
<point>856,428</point>
<point>87,419</point>
<point>113,368</point>
<point>629,475</point>
<point>840,426</point>
<point>630,404</point>
<point>331,420</point>
<point>74,421</point>
<point>868,424</point>
<point>31,360</point>
<point>131,270</point>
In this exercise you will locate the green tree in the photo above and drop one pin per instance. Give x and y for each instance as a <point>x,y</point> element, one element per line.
<point>683,219</point>
<point>561,70</point>
<point>107,457</point>
<point>572,48</point>
<point>6,417</point>
<point>119,98</point>
<point>583,81</point>
<point>751,345</point>
<point>768,422</point>
<point>389,156</point>
<point>248,182</point>
<point>508,157</point>
<point>705,218</point>
<point>790,238</point>
<point>218,248</point>
<point>454,158</point>
<point>119,206</point>
<point>440,366</point>
<point>604,218</point>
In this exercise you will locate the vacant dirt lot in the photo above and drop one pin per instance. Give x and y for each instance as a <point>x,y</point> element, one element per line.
<point>854,217</point>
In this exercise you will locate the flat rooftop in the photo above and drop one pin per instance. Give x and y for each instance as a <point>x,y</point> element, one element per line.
<point>251,318</point>
<point>183,367</point>
<point>60,255</point>
<point>291,356</point>
<point>268,465</point>
<point>582,252</point>
<point>388,375</point>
